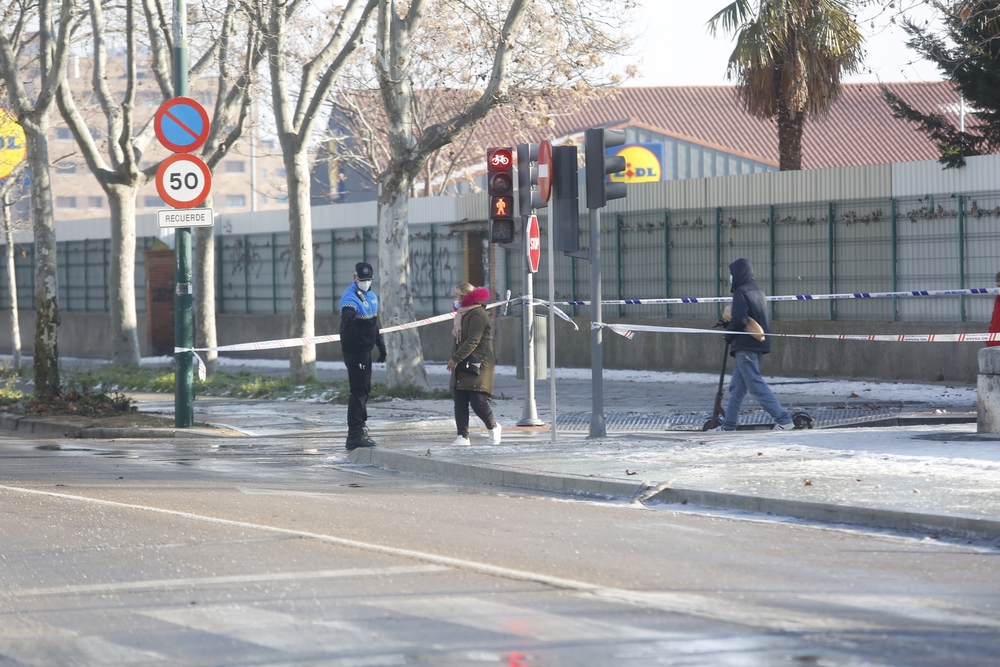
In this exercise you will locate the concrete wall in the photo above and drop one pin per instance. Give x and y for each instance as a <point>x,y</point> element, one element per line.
<point>954,362</point>
<point>88,335</point>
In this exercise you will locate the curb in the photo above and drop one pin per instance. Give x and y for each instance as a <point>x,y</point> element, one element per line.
<point>592,486</point>
<point>46,427</point>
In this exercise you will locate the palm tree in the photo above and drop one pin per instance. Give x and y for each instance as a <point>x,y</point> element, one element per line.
<point>788,61</point>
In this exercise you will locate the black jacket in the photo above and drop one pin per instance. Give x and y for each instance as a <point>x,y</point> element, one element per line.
<point>748,301</point>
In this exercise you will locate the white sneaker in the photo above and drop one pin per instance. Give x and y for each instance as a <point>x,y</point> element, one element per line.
<point>720,429</point>
<point>461,441</point>
<point>495,434</point>
<point>784,427</point>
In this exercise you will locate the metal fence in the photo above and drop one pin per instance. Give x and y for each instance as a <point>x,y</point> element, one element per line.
<point>821,247</point>
<point>816,248</point>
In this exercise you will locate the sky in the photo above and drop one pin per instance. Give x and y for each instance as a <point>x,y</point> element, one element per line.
<point>675,49</point>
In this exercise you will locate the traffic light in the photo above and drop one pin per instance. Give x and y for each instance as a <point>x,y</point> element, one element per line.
<point>500,187</point>
<point>527,179</point>
<point>565,211</point>
<point>599,191</point>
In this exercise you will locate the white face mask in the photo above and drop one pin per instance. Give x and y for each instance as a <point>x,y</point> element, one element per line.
<point>730,279</point>
<point>458,304</point>
<point>364,285</point>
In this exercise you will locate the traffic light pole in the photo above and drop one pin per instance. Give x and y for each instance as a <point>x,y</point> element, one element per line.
<point>529,414</point>
<point>597,426</point>
<point>183,288</point>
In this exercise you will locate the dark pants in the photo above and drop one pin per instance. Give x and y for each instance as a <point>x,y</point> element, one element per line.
<point>480,404</point>
<point>359,373</point>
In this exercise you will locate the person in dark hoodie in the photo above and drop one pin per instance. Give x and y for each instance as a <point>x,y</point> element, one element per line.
<point>746,350</point>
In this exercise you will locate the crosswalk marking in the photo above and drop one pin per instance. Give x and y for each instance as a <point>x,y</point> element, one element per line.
<point>916,608</point>
<point>274,630</point>
<point>512,620</point>
<point>725,609</point>
<point>42,645</point>
<point>164,584</point>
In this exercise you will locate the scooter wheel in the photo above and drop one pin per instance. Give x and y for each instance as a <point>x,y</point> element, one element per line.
<point>709,425</point>
<point>803,420</point>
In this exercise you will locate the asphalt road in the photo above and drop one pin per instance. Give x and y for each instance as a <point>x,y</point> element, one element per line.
<point>278,552</point>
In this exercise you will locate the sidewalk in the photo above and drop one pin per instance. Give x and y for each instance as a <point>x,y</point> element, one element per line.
<point>938,477</point>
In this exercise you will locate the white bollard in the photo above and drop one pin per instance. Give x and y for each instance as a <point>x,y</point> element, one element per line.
<point>988,390</point>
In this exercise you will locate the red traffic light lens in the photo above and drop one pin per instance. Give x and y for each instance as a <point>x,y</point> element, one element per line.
<point>499,159</point>
<point>501,207</point>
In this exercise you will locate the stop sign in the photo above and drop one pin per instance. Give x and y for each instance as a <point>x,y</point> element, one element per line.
<point>534,243</point>
<point>544,170</point>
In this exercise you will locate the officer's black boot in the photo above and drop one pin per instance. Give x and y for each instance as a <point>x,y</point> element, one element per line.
<point>359,438</point>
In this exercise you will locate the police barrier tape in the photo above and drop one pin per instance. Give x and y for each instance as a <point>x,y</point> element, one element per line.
<point>791,297</point>
<point>628,331</point>
<point>328,338</point>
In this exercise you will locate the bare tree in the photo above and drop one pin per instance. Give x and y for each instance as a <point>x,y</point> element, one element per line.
<point>115,162</point>
<point>497,60</point>
<point>296,110</point>
<point>12,191</point>
<point>32,103</point>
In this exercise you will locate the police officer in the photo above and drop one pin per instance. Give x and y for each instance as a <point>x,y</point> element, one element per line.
<point>359,331</point>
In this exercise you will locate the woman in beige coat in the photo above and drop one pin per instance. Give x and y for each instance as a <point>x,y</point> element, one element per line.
<point>474,343</point>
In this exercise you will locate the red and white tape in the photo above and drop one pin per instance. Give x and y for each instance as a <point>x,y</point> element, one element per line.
<point>627,330</point>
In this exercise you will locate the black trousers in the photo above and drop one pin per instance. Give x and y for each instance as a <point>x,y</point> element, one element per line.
<point>359,374</point>
<point>479,400</point>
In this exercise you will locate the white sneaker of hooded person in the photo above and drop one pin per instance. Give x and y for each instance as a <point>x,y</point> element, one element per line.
<point>784,427</point>
<point>461,441</point>
<point>495,434</point>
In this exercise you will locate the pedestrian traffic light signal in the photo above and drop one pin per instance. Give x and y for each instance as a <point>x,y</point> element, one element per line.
<point>500,171</point>
<point>502,230</point>
<point>501,207</point>
<point>500,186</point>
<point>599,191</point>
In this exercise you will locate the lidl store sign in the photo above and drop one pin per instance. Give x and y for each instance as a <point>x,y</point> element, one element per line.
<point>643,163</point>
<point>13,148</point>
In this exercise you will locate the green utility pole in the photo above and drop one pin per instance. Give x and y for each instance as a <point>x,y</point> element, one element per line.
<point>184,288</point>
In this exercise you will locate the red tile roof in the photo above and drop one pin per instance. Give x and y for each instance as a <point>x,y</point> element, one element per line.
<point>859,130</point>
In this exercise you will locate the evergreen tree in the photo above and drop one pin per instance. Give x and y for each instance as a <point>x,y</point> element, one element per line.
<point>968,54</point>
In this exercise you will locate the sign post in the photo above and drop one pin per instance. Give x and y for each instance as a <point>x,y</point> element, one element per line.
<point>182,125</point>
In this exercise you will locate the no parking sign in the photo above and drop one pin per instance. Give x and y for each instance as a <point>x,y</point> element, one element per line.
<point>181,124</point>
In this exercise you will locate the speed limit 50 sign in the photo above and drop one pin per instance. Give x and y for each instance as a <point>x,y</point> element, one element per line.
<point>183,180</point>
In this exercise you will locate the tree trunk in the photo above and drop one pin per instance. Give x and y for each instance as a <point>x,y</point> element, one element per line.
<point>302,361</point>
<point>15,327</point>
<point>46,354</point>
<point>790,139</point>
<point>204,294</point>
<point>404,355</point>
<point>124,323</point>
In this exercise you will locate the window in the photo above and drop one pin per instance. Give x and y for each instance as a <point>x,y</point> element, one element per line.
<point>270,144</point>
<point>65,202</point>
<point>204,96</point>
<point>64,134</point>
<point>153,201</point>
<point>280,173</point>
<point>263,199</point>
<point>65,169</point>
<point>95,202</point>
<point>236,201</point>
<point>263,173</point>
<point>235,166</point>
<point>281,197</point>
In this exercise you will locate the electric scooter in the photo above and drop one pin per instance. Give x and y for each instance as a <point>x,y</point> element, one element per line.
<point>802,420</point>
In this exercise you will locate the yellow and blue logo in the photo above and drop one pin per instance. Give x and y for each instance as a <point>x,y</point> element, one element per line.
<point>643,163</point>
<point>13,148</point>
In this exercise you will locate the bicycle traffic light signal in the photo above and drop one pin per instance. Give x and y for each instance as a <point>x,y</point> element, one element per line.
<point>599,190</point>
<point>500,187</point>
